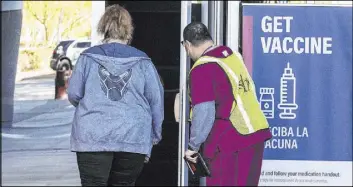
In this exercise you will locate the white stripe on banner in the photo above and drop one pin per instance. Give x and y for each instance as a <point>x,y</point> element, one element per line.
<point>239,101</point>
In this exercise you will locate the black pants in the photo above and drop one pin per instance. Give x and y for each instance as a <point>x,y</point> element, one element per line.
<point>109,168</point>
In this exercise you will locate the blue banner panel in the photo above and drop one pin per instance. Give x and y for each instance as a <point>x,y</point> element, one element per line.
<point>300,58</point>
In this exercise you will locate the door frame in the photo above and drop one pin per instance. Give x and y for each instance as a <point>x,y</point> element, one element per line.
<point>185,19</point>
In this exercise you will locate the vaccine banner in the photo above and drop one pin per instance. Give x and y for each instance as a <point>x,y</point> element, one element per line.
<point>300,58</point>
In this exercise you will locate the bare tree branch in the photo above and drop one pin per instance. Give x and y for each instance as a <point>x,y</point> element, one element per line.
<point>72,25</point>
<point>35,15</point>
<point>46,13</point>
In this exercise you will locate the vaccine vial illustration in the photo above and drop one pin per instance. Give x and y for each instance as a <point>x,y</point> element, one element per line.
<point>267,102</point>
<point>288,103</point>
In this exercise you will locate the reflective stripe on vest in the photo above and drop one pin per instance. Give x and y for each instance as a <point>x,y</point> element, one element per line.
<point>247,117</point>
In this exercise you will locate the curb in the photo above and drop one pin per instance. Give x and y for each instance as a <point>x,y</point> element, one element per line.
<point>25,75</point>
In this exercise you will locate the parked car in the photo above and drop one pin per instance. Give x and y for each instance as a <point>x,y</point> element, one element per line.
<point>68,51</point>
<point>76,48</point>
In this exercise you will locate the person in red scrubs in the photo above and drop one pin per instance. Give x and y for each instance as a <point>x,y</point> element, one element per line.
<point>226,116</point>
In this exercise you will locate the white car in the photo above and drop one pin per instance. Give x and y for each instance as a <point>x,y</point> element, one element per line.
<point>68,51</point>
<point>76,48</point>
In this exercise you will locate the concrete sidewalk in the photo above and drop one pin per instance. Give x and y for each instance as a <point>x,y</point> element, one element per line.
<point>43,113</point>
<point>34,104</point>
<point>39,168</point>
<point>33,74</point>
<point>35,150</point>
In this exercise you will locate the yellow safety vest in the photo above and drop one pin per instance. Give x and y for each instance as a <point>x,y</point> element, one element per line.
<point>246,115</point>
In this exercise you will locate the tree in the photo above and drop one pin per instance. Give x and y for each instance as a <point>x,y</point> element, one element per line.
<point>43,12</point>
<point>75,17</point>
<point>58,18</point>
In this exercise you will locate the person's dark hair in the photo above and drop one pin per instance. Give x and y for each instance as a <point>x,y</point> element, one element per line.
<point>196,33</point>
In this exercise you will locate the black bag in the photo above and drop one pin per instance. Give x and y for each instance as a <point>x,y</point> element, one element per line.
<point>200,169</point>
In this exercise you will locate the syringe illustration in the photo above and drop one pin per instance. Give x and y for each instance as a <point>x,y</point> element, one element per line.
<point>288,93</point>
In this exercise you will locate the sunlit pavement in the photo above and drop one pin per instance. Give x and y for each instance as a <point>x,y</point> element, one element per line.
<point>35,151</point>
